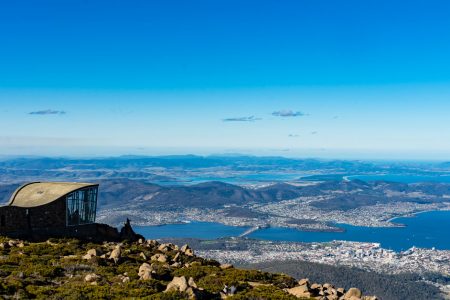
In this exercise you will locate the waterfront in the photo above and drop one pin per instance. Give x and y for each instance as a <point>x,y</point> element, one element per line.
<point>425,230</point>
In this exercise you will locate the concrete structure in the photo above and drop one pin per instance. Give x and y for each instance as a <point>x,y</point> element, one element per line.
<point>49,207</point>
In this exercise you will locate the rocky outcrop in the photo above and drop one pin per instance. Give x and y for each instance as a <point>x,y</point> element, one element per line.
<point>164,270</point>
<point>327,291</point>
<point>127,233</point>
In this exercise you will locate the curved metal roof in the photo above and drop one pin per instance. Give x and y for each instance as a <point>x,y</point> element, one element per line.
<point>40,193</point>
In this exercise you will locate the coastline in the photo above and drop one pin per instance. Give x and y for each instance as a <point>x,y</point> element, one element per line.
<point>413,215</point>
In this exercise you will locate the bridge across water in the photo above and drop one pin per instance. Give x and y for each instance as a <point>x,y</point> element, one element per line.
<point>253,229</point>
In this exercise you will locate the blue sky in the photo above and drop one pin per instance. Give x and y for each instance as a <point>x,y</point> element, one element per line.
<point>298,78</point>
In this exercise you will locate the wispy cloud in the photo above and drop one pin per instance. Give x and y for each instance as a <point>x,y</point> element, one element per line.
<point>294,135</point>
<point>47,112</point>
<point>288,113</point>
<point>314,132</point>
<point>242,119</point>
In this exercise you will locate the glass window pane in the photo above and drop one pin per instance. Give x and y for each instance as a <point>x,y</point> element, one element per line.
<point>81,206</point>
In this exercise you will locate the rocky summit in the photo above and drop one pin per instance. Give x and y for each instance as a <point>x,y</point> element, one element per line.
<point>74,269</point>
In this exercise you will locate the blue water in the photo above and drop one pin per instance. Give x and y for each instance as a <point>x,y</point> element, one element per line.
<point>237,178</point>
<point>425,230</point>
<point>403,178</point>
<point>201,230</point>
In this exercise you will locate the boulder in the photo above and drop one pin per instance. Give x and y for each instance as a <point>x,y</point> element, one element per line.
<point>327,286</point>
<point>187,250</point>
<point>92,253</point>
<point>152,243</point>
<point>178,284</point>
<point>116,253</point>
<point>124,278</point>
<point>143,256</point>
<point>91,277</point>
<point>87,256</point>
<point>331,292</point>
<point>166,247</point>
<point>226,266</point>
<point>304,281</point>
<point>12,243</point>
<point>300,291</point>
<point>192,283</point>
<point>352,292</point>
<point>176,257</point>
<point>145,271</point>
<point>159,257</point>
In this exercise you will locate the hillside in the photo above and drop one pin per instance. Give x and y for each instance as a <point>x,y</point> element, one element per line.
<point>72,269</point>
<point>387,287</point>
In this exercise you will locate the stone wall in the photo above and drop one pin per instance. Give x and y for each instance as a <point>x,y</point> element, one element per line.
<point>13,218</point>
<point>50,215</point>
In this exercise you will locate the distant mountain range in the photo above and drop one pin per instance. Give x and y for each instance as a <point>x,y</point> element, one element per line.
<point>131,184</point>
